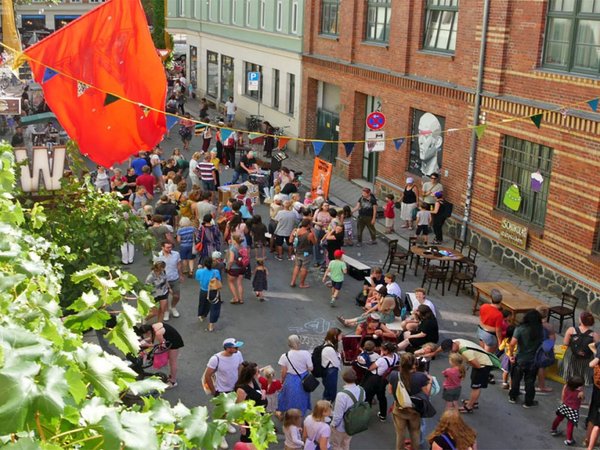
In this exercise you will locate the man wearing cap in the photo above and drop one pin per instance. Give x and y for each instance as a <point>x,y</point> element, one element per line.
<point>336,270</point>
<point>344,400</point>
<point>481,367</point>
<point>224,365</point>
<point>367,213</point>
<point>245,167</point>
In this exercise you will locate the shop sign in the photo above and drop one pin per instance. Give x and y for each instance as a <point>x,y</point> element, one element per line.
<point>49,163</point>
<point>514,234</point>
<point>10,106</point>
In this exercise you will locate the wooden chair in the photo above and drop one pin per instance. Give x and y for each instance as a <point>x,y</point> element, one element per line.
<point>399,260</point>
<point>392,249</point>
<point>458,245</point>
<point>411,242</point>
<point>439,274</point>
<point>566,309</point>
<point>471,255</point>
<point>464,278</point>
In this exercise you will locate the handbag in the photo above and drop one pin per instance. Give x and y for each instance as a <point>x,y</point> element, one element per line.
<point>214,285</point>
<point>160,356</point>
<point>597,375</point>
<point>309,382</point>
<point>200,244</point>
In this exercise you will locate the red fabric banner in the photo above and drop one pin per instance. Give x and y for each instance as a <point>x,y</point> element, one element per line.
<point>109,48</point>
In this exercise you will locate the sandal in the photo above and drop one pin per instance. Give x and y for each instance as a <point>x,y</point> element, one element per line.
<point>293,285</point>
<point>342,320</point>
<point>234,302</point>
<point>475,405</point>
<point>304,286</point>
<point>466,410</point>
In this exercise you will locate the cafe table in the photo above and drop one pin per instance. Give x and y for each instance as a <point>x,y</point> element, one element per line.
<point>514,299</point>
<point>435,253</point>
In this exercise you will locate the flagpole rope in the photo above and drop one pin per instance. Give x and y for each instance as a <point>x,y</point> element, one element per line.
<point>19,56</point>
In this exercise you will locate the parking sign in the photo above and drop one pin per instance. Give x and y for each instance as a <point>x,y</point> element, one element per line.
<point>253,80</point>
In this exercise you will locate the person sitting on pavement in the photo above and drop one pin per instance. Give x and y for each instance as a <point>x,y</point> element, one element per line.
<point>426,330</point>
<point>384,307</point>
<point>392,287</point>
<point>372,329</point>
<point>421,299</point>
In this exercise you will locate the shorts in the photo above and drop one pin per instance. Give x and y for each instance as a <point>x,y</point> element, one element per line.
<point>337,285</point>
<point>480,377</point>
<point>186,252</point>
<point>259,244</point>
<point>279,240</point>
<point>175,286</point>
<point>389,222</point>
<point>160,298</point>
<point>303,261</point>
<point>451,395</point>
<point>157,170</point>
<point>236,272</point>
<point>208,185</point>
<point>422,229</point>
<point>486,337</point>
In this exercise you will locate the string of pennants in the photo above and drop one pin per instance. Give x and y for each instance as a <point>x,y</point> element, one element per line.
<point>317,144</point>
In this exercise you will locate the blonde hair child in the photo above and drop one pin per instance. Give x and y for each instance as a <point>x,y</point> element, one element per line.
<point>292,429</point>
<point>453,377</point>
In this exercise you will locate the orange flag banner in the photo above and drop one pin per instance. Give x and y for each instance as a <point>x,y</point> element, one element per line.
<point>282,141</point>
<point>108,51</point>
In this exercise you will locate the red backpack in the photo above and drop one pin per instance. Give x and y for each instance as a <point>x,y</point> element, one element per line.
<point>244,257</point>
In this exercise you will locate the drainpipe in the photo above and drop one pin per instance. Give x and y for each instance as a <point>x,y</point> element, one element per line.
<point>476,112</point>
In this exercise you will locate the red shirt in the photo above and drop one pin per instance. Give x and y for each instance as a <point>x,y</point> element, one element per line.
<point>388,212</point>
<point>274,387</point>
<point>490,316</point>
<point>147,181</point>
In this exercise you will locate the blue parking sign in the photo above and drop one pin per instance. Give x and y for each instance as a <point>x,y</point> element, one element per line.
<point>253,76</point>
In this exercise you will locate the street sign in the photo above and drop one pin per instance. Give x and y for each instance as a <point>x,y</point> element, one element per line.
<point>376,120</point>
<point>253,80</point>
<point>375,141</point>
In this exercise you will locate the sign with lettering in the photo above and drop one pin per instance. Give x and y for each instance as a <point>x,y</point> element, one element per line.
<point>375,141</point>
<point>514,234</point>
<point>10,106</point>
<point>49,163</point>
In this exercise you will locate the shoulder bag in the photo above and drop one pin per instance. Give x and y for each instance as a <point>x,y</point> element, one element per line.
<point>309,382</point>
<point>215,286</point>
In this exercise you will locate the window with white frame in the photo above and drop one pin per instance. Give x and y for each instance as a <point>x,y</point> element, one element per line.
<point>275,88</point>
<point>248,12</point>
<point>250,67</point>
<point>378,20</point>
<point>263,12</point>
<point>279,16</point>
<point>291,93</point>
<point>294,27</point>
<point>441,25</point>
<point>221,13</point>
<point>234,12</point>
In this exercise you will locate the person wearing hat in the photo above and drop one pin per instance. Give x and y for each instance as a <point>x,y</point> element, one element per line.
<point>439,215</point>
<point>367,214</point>
<point>245,167</point>
<point>408,208</point>
<point>336,271</point>
<point>225,367</point>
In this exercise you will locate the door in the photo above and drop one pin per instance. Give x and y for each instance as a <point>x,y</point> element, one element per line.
<point>328,129</point>
<point>371,159</point>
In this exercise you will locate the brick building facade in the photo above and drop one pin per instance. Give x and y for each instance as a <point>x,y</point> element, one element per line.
<point>409,58</point>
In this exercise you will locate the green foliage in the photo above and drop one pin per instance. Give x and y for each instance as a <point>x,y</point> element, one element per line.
<point>158,22</point>
<point>59,392</point>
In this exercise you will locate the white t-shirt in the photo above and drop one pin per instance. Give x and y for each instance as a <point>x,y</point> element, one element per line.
<point>329,357</point>
<point>300,359</point>
<point>316,430</point>
<point>431,307</point>
<point>394,289</point>
<point>226,370</point>
<point>230,107</point>
<point>384,363</point>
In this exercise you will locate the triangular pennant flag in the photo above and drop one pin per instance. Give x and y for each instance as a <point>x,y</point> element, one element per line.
<point>48,74</point>
<point>282,141</point>
<point>593,104</point>
<point>349,146</point>
<point>171,121</point>
<point>225,133</point>
<point>110,99</point>
<point>480,130</point>
<point>537,119</point>
<point>146,111</point>
<point>318,146</point>
<point>81,88</point>
<point>256,138</point>
<point>398,143</point>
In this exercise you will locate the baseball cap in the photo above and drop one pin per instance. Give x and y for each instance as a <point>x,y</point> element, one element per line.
<point>231,342</point>
<point>375,316</point>
<point>216,255</point>
<point>438,194</point>
<point>380,288</point>
<point>338,254</point>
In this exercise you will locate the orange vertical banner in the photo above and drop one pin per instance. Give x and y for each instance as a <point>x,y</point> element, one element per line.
<point>321,177</point>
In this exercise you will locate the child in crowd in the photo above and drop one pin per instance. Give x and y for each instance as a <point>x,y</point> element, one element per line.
<point>389,213</point>
<point>505,347</point>
<point>348,233</point>
<point>259,282</point>
<point>571,398</point>
<point>102,182</point>
<point>453,377</point>
<point>258,231</point>
<point>423,222</point>
<point>171,186</point>
<point>271,386</point>
<point>292,429</point>
<point>336,270</point>
<point>160,290</point>
<point>308,200</point>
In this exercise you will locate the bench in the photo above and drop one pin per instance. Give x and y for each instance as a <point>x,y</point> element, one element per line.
<point>356,269</point>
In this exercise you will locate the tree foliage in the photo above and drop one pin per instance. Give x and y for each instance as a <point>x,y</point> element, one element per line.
<point>59,392</point>
<point>158,23</point>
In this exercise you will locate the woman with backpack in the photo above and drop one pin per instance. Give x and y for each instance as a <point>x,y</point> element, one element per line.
<point>578,354</point>
<point>439,216</point>
<point>375,381</point>
<point>331,363</point>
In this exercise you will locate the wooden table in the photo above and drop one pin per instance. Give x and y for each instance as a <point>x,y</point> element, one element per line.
<point>513,298</point>
<point>426,253</point>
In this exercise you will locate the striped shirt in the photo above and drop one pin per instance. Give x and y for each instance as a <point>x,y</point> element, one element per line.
<point>186,234</point>
<point>206,169</point>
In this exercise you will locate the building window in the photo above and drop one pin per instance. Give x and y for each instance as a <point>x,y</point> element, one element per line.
<point>210,9</point>
<point>234,12</point>
<point>295,17</point>
<point>250,67</point>
<point>180,7</point>
<point>291,94</point>
<point>279,16</point>
<point>75,1</point>
<point>248,12</point>
<point>330,17</point>
<point>441,23</point>
<point>520,159</point>
<point>212,74</point>
<point>275,89</point>
<point>263,8</point>
<point>378,20</point>
<point>226,77</point>
<point>221,15</point>
<point>573,36</point>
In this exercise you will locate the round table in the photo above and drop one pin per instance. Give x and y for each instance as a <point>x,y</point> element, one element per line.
<point>435,253</point>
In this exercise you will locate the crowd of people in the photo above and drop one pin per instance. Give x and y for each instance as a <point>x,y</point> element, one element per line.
<point>393,340</point>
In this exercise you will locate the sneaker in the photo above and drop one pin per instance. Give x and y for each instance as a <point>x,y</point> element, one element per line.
<point>533,404</point>
<point>505,385</point>
<point>373,243</point>
<point>166,316</point>
<point>171,384</point>
<point>174,312</point>
<point>332,302</point>
<point>381,418</point>
<point>555,432</point>
<point>512,400</point>
<point>491,379</point>
<point>568,443</point>
<point>201,319</point>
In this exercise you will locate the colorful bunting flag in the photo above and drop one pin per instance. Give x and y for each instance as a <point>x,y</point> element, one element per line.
<point>318,146</point>
<point>103,49</point>
<point>593,104</point>
<point>146,111</point>
<point>349,146</point>
<point>537,119</point>
<point>281,142</point>
<point>225,133</point>
<point>48,74</point>
<point>398,143</point>
<point>480,130</point>
<point>110,99</point>
<point>171,121</point>
<point>256,138</point>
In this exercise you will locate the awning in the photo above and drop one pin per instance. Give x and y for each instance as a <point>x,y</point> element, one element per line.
<point>67,17</point>
<point>37,118</point>
<point>33,16</point>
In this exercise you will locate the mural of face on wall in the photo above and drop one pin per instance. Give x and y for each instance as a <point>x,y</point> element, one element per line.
<point>426,148</point>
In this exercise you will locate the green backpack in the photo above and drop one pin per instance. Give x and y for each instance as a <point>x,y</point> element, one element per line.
<point>356,418</point>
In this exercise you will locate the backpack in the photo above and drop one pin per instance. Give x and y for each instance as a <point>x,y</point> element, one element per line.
<point>395,365</point>
<point>580,344</point>
<point>317,360</point>
<point>445,210</point>
<point>244,257</point>
<point>544,355</point>
<point>496,363</point>
<point>356,418</point>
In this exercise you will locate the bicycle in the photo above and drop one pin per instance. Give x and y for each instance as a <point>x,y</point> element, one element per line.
<point>280,131</point>
<point>254,122</point>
